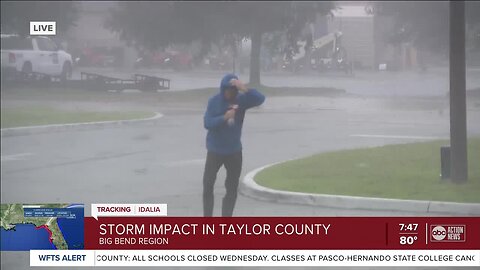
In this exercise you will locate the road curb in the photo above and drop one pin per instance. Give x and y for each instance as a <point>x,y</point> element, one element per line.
<point>19,131</point>
<point>251,189</point>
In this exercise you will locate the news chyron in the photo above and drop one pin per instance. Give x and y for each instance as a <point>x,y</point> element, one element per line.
<point>42,226</point>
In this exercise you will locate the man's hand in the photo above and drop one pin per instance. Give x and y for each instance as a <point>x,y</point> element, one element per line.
<point>229,114</point>
<point>239,84</point>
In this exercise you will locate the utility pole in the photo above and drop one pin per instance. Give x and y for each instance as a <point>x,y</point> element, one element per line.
<point>458,105</point>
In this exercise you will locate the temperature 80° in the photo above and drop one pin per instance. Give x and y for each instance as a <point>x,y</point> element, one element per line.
<point>408,240</point>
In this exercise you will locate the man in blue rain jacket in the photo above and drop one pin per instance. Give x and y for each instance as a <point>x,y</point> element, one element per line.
<point>224,120</point>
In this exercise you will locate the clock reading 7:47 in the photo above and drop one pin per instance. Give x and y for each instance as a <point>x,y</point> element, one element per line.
<point>411,227</point>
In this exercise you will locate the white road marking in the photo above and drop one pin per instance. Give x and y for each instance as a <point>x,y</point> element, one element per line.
<point>397,137</point>
<point>22,156</point>
<point>30,129</point>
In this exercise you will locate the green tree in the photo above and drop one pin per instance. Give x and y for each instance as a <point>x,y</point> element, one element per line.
<point>159,24</point>
<point>422,23</point>
<point>16,15</point>
<point>425,23</point>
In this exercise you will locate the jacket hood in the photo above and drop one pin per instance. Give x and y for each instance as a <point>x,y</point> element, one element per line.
<point>225,83</point>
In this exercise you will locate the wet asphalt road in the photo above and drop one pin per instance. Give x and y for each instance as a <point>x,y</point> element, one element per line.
<point>162,162</point>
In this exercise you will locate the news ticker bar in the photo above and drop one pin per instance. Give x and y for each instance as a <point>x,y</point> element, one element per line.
<point>302,233</point>
<point>275,258</point>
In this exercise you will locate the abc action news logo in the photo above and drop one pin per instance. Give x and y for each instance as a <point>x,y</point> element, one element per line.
<point>447,233</point>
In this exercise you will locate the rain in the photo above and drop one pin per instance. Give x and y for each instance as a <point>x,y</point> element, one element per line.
<point>110,108</point>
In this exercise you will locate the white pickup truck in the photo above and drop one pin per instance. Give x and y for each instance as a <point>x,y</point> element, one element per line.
<point>34,54</point>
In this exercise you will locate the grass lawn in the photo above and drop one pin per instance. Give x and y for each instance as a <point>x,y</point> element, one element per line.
<point>274,91</point>
<point>200,95</point>
<point>405,171</point>
<point>44,115</point>
<point>20,117</point>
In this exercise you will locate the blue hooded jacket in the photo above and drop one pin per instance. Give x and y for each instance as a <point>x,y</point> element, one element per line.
<point>222,138</point>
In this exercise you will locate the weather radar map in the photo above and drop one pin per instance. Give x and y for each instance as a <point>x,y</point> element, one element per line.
<point>41,226</point>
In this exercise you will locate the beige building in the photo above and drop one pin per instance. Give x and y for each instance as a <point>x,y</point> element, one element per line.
<point>357,28</point>
<point>364,36</point>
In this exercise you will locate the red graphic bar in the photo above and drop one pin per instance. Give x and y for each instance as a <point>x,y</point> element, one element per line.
<point>283,233</point>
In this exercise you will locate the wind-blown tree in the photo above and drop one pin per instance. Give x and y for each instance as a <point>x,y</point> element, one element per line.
<point>153,25</point>
<point>159,24</point>
<point>253,19</point>
<point>425,23</point>
<point>16,15</point>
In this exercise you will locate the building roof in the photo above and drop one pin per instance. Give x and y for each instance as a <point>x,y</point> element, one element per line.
<point>351,11</point>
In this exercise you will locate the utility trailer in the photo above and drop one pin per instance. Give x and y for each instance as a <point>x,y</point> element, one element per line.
<point>91,81</point>
<point>19,78</point>
<point>151,83</point>
<point>139,81</point>
<point>94,81</point>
